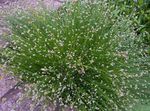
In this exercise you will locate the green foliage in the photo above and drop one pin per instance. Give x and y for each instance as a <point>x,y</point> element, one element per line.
<point>83,55</point>
<point>141,11</point>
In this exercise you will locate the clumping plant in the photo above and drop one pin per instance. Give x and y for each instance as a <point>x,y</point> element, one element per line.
<point>82,55</point>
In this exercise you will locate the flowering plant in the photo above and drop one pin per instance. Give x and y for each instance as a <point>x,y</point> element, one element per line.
<point>83,54</point>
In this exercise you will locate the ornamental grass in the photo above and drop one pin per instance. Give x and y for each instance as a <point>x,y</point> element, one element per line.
<point>83,55</point>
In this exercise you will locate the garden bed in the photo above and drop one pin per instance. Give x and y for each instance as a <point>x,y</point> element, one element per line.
<point>11,88</point>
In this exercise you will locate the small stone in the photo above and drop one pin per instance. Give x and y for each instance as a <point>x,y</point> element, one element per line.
<point>4,100</point>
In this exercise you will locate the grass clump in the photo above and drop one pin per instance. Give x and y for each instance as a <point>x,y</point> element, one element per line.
<point>81,55</point>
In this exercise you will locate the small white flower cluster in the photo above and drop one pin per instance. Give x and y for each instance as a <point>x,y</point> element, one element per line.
<point>83,55</point>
